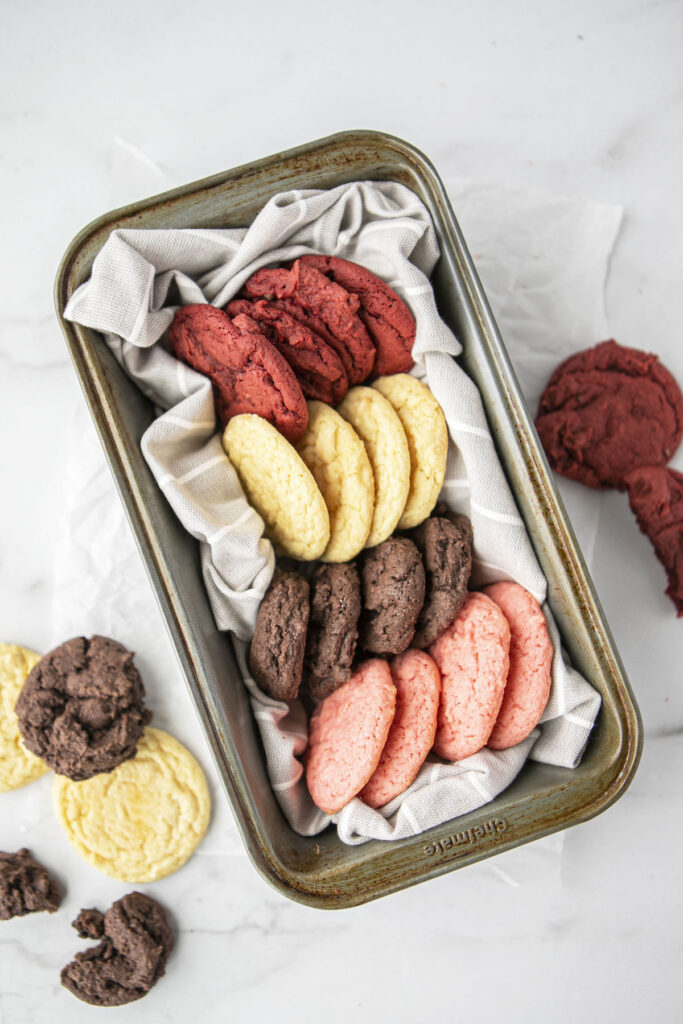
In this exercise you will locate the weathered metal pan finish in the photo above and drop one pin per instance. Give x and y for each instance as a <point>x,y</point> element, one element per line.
<point>323,872</point>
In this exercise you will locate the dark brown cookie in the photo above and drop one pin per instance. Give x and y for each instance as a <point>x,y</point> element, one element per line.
<point>130,959</point>
<point>25,886</point>
<point>317,366</point>
<point>393,592</point>
<point>445,543</point>
<point>387,319</point>
<point>656,497</point>
<point>82,707</point>
<point>248,373</point>
<point>276,655</point>
<point>608,410</point>
<point>330,303</point>
<point>332,628</point>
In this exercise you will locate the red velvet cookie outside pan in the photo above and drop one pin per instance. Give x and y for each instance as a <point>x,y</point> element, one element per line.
<point>317,366</point>
<point>609,410</point>
<point>388,320</point>
<point>656,497</point>
<point>248,373</point>
<point>329,303</point>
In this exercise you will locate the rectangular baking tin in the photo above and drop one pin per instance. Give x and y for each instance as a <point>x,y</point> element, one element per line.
<point>322,871</point>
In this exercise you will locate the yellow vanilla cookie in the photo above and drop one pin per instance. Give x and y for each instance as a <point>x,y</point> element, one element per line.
<point>425,426</point>
<point>279,486</point>
<point>336,457</point>
<point>17,764</point>
<point>143,820</point>
<point>377,424</point>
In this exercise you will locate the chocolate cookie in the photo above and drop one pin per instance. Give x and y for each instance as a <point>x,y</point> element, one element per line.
<point>327,301</point>
<point>332,628</point>
<point>445,543</point>
<point>656,497</point>
<point>276,655</point>
<point>130,959</point>
<point>388,320</point>
<point>25,886</point>
<point>393,591</point>
<point>608,410</point>
<point>247,372</point>
<point>82,707</point>
<point>317,366</point>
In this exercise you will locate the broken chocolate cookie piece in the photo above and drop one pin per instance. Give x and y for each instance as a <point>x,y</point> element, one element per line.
<point>25,886</point>
<point>130,959</point>
<point>82,707</point>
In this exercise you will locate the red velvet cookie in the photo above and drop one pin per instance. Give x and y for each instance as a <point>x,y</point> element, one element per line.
<point>247,372</point>
<point>388,320</point>
<point>608,410</point>
<point>327,302</point>
<point>656,497</point>
<point>316,364</point>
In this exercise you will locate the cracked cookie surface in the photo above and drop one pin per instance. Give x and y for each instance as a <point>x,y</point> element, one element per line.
<point>425,427</point>
<point>393,590</point>
<point>279,485</point>
<point>142,821</point>
<point>82,707</point>
<point>608,410</point>
<point>336,456</point>
<point>18,766</point>
<point>136,941</point>
<point>276,654</point>
<point>25,886</point>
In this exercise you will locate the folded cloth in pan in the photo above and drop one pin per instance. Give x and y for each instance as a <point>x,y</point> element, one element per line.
<point>383,226</point>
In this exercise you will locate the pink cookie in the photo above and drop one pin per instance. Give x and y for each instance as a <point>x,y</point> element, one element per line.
<point>411,737</point>
<point>531,656</point>
<point>347,734</point>
<point>473,658</point>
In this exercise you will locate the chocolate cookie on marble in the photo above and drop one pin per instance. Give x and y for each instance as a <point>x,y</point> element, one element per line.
<point>25,886</point>
<point>82,707</point>
<point>276,655</point>
<point>445,543</point>
<point>130,959</point>
<point>393,592</point>
<point>332,628</point>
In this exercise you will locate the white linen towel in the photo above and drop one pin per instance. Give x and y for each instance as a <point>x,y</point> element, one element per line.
<point>383,226</point>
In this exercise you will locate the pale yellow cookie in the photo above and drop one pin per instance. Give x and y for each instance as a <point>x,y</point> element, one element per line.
<point>279,486</point>
<point>336,457</point>
<point>143,820</point>
<point>377,424</point>
<point>17,764</point>
<point>425,426</point>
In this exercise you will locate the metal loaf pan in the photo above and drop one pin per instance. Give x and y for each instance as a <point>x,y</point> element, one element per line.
<point>323,872</point>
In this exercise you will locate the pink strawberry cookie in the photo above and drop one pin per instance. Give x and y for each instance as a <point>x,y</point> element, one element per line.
<point>347,734</point>
<point>531,656</point>
<point>411,737</point>
<point>473,658</point>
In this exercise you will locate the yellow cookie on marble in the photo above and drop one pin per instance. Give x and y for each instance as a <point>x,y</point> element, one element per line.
<point>143,820</point>
<point>336,457</point>
<point>18,765</point>
<point>425,426</point>
<point>377,424</point>
<point>279,486</point>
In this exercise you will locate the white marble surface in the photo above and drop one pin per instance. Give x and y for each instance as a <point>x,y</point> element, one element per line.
<point>103,105</point>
